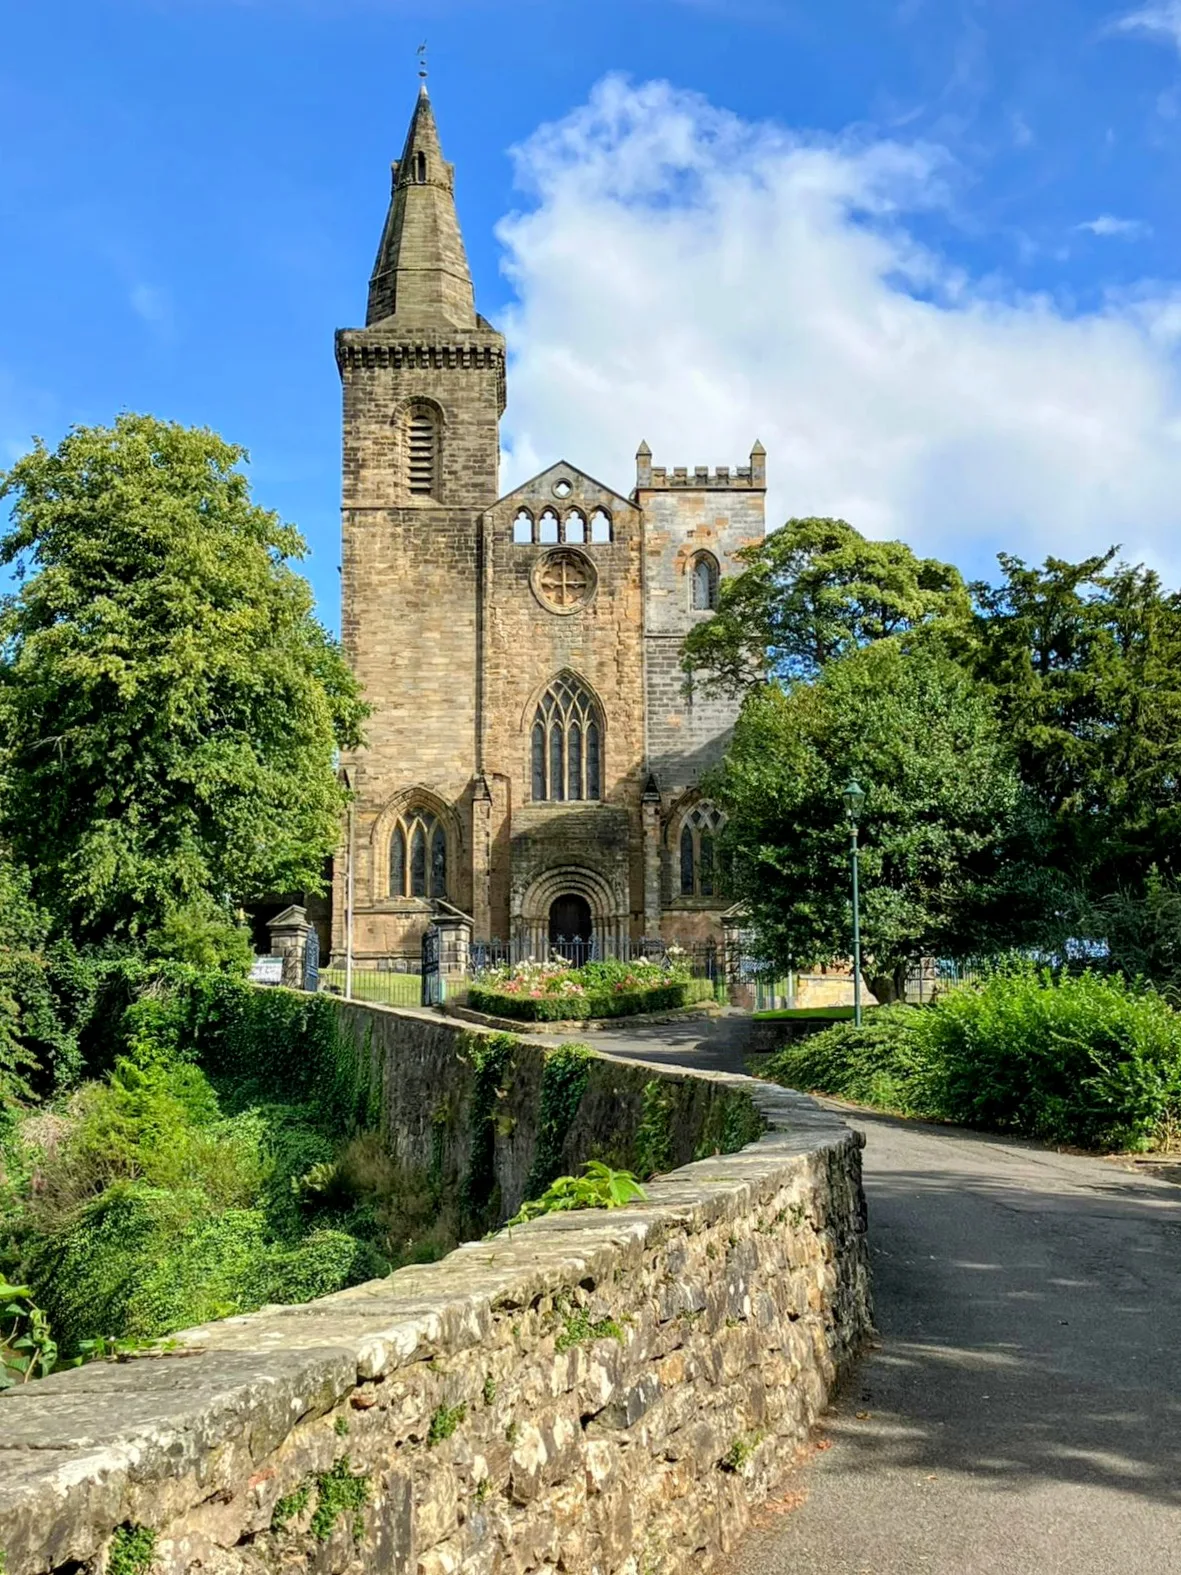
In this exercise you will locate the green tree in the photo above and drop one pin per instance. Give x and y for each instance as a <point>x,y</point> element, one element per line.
<point>169,707</point>
<point>943,824</point>
<point>1085,662</point>
<point>812,592</point>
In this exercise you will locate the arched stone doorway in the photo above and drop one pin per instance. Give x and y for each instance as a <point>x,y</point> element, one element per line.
<point>571,926</point>
<point>602,914</point>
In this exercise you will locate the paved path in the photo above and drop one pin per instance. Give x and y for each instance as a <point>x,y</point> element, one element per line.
<point>711,1044</point>
<point>1022,1413</point>
<point>1024,1405</point>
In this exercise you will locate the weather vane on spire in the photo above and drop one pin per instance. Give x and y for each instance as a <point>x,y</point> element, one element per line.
<point>422,67</point>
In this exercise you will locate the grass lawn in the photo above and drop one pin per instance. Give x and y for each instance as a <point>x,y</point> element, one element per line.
<point>386,989</point>
<point>832,1014</point>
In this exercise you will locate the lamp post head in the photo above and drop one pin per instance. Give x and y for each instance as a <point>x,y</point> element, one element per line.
<point>854,797</point>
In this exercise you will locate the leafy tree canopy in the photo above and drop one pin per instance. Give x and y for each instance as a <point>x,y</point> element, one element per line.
<point>812,592</point>
<point>1085,662</point>
<point>169,706</point>
<point>944,813</point>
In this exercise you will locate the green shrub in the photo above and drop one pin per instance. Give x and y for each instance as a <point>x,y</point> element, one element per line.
<point>1083,1060</point>
<point>879,1063</point>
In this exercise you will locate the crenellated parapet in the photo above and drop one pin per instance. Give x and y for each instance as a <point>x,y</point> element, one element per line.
<point>749,478</point>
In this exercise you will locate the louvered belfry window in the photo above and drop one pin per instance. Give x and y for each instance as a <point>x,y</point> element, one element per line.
<point>422,451</point>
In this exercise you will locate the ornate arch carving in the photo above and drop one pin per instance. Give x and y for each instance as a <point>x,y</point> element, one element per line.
<point>609,905</point>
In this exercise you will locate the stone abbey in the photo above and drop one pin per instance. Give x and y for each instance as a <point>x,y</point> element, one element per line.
<point>534,756</point>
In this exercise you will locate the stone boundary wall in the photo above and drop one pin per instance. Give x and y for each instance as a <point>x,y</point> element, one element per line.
<point>593,1392</point>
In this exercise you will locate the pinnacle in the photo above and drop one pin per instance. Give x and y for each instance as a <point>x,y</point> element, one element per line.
<point>421,275</point>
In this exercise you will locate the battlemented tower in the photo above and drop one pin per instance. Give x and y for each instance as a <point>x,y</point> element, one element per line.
<point>424,389</point>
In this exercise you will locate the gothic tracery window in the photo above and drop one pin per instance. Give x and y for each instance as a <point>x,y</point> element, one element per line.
<point>418,855</point>
<point>422,451</point>
<point>704,582</point>
<point>698,850</point>
<point>566,743</point>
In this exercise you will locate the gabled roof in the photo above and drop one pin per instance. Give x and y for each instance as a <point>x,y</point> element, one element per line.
<point>544,480</point>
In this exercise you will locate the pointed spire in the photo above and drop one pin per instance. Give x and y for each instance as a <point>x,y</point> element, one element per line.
<point>643,465</point>
<point>421,276</point>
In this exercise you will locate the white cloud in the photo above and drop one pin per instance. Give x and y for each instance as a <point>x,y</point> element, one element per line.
<point>1107,224</point>
<point>691,279</point>
<point>1163,18</point>
<point>151,305</point>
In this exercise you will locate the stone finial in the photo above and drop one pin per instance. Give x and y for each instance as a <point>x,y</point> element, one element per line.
<point>651,793</point>
<point>643,465</point>
<point>758,465</point>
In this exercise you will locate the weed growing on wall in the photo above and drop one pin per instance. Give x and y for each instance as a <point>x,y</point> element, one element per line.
<point>654,1144</point>
<point>490,1059</point>
<point>731,1123</point>
<point>444,1422</point>
<point>599,1187</point>
<point>339,1491</point>
<point>565,1074</point>
<point>131,1551</point>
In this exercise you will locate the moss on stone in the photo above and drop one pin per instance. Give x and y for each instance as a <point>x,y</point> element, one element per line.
<point>339,1490</point>
<point>132,1550</point>
<point>444,1422</point>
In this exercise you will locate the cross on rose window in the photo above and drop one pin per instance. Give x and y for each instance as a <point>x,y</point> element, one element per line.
<point>565,579</point>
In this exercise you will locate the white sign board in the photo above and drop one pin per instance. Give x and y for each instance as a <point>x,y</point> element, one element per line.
<point>266,970</point>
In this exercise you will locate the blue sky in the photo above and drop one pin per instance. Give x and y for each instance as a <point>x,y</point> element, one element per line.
<point>928,251</point>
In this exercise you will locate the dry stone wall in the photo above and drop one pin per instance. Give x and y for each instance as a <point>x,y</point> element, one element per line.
<point>591,1392</point>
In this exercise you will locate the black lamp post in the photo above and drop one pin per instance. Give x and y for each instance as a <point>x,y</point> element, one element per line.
<point>854,797</point>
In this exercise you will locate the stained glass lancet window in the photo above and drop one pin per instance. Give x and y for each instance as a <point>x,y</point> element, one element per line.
<point>418,855</point>
<point>697,848</point>
<point>566,743</point>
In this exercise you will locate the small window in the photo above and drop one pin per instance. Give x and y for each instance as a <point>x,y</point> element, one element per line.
<point>565,747</point>
<point>698,850</point>
<point>421,451</point>
<point>547,527</point>
<point>575,526</point>
<point>704,573</point>
<point>600,526</point>
<point>420,168</point>
<point>523,528</point>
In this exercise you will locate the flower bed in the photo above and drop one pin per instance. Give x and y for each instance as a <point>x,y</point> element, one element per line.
<point>553,992</point>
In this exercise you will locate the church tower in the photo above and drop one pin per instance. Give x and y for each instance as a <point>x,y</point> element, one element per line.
<point>424,389</point>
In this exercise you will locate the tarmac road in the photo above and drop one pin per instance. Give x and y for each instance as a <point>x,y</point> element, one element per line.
<point>1022,1414</point>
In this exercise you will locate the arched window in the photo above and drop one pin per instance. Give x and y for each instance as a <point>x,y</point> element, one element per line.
<point>567,743</point>
<point>422,451</point>
<point>420,168</point>
<point>574,526</point>
<point>600,526</point>
<point>547,526</point>
<point>704,582</point>
<point>523,527</point>
<point>418,855</point>
<point>698,856</point>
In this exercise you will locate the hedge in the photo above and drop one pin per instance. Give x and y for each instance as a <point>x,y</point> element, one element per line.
<point>595,1003</point>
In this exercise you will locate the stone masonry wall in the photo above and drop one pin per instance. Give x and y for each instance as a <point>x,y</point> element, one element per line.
<point>592,1392</point>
